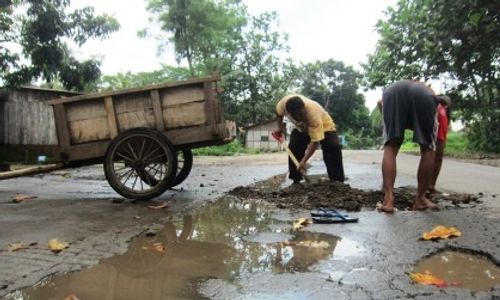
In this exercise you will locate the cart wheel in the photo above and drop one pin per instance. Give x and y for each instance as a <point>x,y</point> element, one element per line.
<point>184,165</point>
<point>140,164</point>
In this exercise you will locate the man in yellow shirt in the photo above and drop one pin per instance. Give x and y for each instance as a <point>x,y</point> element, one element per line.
<point>313,126</point>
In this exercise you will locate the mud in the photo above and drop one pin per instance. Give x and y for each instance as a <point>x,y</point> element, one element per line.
<point>320,192</point>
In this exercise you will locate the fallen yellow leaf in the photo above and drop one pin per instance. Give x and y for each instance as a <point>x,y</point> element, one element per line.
<point>20,198</point>
<point>428,279</point>
<point>158,247</point>
<point>441,232</point>
<point>16,246</point>
<point>57,246</point>
<point>298,224</point>
<point>158,206</point>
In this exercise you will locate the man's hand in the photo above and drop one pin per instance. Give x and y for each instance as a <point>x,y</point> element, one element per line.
<point>311,148</point>
<point>278,135</point>
<point>302,167</point>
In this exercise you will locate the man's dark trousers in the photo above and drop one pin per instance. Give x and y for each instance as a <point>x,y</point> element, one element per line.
<point>332,154</point>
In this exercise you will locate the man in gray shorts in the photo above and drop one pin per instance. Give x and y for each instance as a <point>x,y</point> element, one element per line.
<point>411,105</point>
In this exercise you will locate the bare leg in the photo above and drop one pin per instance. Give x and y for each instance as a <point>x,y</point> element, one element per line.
<point>424,176</point>
<point>389,175</point>
<point>438,161</point>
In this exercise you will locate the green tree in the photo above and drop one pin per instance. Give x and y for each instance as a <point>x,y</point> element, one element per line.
<point>33,42</point>
<point>452,40</point>
<point>377,124</point>
<point>203,32</point>
<point>220,36</point>
<point>336,87</point>
<point>128,80</point>
<point>258,77</point>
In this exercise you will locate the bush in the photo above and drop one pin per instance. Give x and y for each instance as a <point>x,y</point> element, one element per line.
<point>457,144</point>
<point>232,148</point>
<point>359,141</point>
<point>408,144</point>
<point>484,135</point>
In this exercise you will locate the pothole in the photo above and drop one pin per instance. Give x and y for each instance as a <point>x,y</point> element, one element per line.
<point>225,240</point>
<point>455,268</point>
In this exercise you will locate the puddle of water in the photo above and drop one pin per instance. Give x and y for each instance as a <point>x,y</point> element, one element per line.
<point>347,248</point>
<point>469,271</point>
<point>224,240</point>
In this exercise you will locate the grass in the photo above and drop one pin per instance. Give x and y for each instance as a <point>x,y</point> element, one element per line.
<point>456,145</point>
<point>230,149</point>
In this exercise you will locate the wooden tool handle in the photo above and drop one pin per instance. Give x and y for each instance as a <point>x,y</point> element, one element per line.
<point>294,159</point>
<point>280,139</point>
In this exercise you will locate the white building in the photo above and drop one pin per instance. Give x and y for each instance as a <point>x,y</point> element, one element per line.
<point>259,136</point>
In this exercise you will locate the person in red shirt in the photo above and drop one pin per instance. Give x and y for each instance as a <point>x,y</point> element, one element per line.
<point>444,106</point>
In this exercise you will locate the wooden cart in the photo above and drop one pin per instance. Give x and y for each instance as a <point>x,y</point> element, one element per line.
<point>143,136</point>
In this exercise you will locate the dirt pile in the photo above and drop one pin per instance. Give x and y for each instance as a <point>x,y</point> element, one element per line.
<point>321,193</point>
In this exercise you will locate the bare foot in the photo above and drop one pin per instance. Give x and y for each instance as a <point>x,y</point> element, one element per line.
<point>386,209</point>
<point>432,191</point>
<point>419,206</point>
<point>423,204</point>
<point>430,204</point>
<point>388,205</point>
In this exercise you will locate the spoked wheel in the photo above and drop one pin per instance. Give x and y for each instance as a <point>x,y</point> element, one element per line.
<point>140,164</point>
<point>184,165</point>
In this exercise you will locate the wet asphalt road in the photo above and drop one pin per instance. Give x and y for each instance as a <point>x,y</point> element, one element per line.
<point>77,206</point>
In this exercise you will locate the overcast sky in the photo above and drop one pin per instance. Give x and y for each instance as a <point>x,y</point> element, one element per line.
<point>318,30</point>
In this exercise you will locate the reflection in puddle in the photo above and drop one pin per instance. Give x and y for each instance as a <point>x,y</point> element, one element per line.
<point>224,240</point>
<point>470,271</point>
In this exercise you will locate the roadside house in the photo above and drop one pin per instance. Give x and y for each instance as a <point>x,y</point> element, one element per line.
<point>259,136</point>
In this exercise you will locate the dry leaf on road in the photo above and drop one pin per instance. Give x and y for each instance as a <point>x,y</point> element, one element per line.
<point>158,247</point>
<point>441,232</point>
<point>57,246</point>
<point>298,224</point>
<point>20,198</point>
<point>427,278</point>
<point>16,246</point>
<point>71,297</point>
<point>158,206</point>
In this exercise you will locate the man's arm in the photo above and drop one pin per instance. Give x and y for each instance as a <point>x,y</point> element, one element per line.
<point>279,125</point>
<point>311,148</point>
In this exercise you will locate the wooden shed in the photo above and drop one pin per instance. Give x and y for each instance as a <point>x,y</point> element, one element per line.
<point>26,118</point>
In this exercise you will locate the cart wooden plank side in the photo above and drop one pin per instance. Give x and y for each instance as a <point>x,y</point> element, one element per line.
<point>143,135</point>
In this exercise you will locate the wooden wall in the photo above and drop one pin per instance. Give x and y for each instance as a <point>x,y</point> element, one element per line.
<point>88,119</point>
<point>25,118</point>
